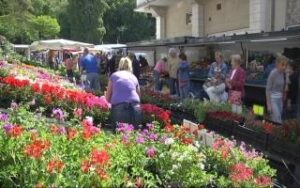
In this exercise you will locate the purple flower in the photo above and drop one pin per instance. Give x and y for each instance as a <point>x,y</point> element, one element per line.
<point>7,127</point>
<point>151,152</point>
<point>153,137</point>
<point>62,130</point>
<point>124,128</point>
<point>140,140</point>
<point>145,132</point>
<point>150,126</point>
<point>58,114</point>
<point>4,117</point>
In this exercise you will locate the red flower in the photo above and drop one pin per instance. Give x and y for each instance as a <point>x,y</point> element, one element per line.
<point>72,133</point>
<point>101,173</point>
<point>85,166</point>
<point>55,165</point>
<point>48,99</point>
<point>187,141</point>
<point>263,181</point>
<point>268,127</point>
<point>54,129</point>
<point>36,148</point>
<point>100,157</point>
<point>16,131</point>
<point>89,131</point>
<point>239,173</point>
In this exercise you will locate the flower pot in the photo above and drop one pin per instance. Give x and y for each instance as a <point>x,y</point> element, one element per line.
<point>219,126</point>
<point>258,140</point>
<point>287,150</point>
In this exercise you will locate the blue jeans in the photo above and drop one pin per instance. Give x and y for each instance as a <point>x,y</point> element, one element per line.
<point>126,113</point>
<point>184,91</point>
<point>173,86</point>
<point>158,84</point>
<point>277,108</point>
<point>93,81</point>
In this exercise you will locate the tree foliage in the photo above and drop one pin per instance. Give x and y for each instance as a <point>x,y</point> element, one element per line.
<point>46,26</point>
<point>124,25</point>
<point>24,21</point>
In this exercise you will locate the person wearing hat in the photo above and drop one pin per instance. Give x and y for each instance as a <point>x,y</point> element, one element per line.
<point>216,76</point>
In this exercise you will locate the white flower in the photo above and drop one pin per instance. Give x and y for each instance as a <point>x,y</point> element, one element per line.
<point>169,141</point>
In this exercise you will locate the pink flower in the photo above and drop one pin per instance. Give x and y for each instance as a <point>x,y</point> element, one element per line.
<point>78,112</point>
<point>151,152</point>
<point>140,140</point>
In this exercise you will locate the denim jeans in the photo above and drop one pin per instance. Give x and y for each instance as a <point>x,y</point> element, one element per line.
<point>215,93</point>
<point>277,107</point>
<point>173,86</point>
<point>93,81</point>
<point>157,81</point>
<point>126,113</point>
<point>184,91</point>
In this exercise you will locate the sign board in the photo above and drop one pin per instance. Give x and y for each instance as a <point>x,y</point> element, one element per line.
<point>258,110</point>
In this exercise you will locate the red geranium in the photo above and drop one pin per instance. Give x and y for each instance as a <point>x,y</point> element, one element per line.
<point>239,173</point>
<point>100,157</point>
<point>55,165</point>
<point>86,165</point>
<point>72,133</point>
<point>36,148</point>
<point>15,131</point>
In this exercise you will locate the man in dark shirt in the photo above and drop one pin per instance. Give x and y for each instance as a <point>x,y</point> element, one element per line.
<point>294,91</point>
<point>135,65</point>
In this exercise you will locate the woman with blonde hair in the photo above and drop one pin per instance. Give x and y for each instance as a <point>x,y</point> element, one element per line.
<point>123,92</point>
<point>276,89</point>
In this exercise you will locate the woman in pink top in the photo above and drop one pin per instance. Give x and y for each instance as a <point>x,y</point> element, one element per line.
<point>159,69</point>
<point>236,82</point>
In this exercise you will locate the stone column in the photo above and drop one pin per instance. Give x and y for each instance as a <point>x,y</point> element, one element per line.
<point>260,15</point>
<point>160,15</point>
<point>197,18</point>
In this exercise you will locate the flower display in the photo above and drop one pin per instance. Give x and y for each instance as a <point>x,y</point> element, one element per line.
<point>239,172</point>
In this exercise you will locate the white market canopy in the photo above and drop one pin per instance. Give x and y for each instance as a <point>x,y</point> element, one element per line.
<point>109,47</point>
<point>58,44</point>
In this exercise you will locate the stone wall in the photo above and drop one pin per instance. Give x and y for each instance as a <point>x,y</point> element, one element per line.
<point>293,12</point>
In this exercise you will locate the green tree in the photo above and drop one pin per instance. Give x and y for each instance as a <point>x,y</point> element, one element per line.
<point>124,25</point>
<point>83,20</point>
<point>46,26</point>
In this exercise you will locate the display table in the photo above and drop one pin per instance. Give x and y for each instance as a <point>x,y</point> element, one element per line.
<point>255,93</point>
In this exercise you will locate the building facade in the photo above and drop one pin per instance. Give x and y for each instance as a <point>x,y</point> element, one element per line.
<point>200,18</point>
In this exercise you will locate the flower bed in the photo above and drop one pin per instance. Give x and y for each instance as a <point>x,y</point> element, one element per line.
<point>48,96</point>
<point>34,153</point>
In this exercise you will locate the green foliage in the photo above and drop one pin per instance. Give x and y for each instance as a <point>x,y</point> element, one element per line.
<point>84,20</point>
<point>46,26</point>
<point>24,21</point>
<point>125,25</point>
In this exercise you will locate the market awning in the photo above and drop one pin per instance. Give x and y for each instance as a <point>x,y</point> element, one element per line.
<point>263,37</point>
<point>58,44</point>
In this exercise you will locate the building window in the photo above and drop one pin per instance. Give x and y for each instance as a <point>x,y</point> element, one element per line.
<point>219,6</point>
<point>188,18</point>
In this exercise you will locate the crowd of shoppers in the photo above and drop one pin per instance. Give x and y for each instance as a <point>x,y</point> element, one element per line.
<point>223,83</point>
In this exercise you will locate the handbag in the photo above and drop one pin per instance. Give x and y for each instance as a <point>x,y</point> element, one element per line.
<point>235,97</point>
